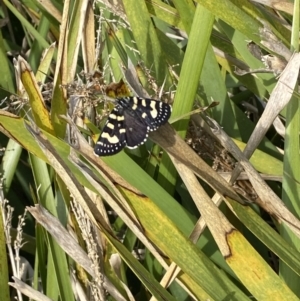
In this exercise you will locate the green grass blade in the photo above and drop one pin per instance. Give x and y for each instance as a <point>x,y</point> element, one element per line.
<point>290,185</point>
<point>9,163</point>
<point>7,78</point>
<point>27,25</point>
<point>291,163</point>
<point>55,254</point>
<point>4,288</point>
<point>187,85</point>
<point>145,36</point>
<point>167,13</point>
<point>192,66</point>
<point>186,10</point>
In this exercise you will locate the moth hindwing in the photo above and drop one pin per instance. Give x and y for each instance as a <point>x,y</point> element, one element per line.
<point>129,122</point>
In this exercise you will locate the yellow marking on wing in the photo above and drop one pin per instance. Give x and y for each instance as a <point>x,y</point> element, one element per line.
<point>115,117</point>
<point>111,139</point>
<point>153,112</point>
<point>112,116</point>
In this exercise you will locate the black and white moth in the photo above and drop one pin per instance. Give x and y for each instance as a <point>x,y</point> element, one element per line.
<point>129,123</point>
